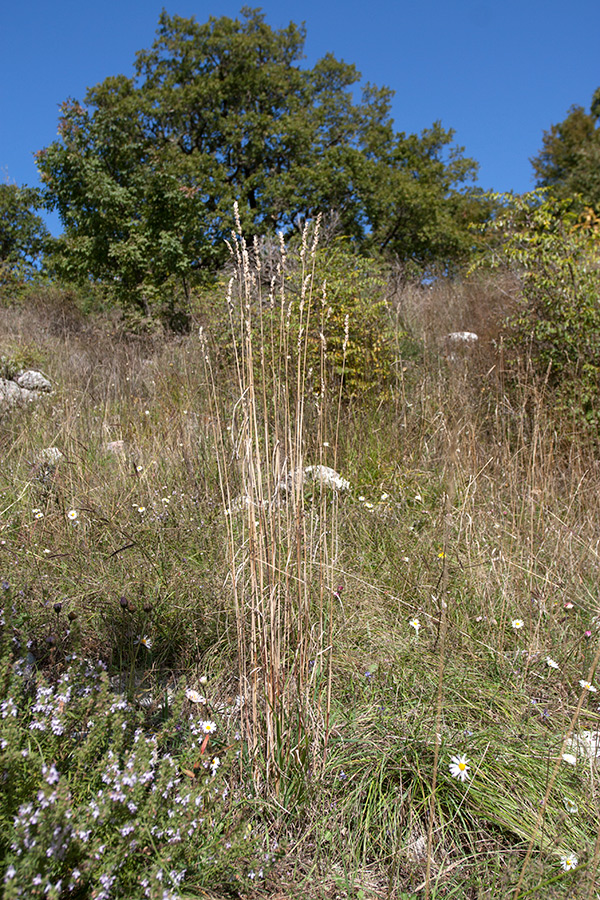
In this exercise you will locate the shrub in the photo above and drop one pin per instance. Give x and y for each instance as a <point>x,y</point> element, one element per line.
<point>345,310</point>
<point>552,248</point>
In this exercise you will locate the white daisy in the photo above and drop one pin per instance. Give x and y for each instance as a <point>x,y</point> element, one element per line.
<point>209,727</point>
<point>569,862</point>
<point>569,758</point>
<point>570,806</point>
<point>588,686</point>
<point>552,664</point>
<point>517,623</point>
<point>72,515</point>
<point>194,696</point>
<point>414,623</point>
<point>459,767</point>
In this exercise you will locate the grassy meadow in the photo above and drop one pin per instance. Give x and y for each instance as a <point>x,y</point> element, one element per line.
<point>224,677</point>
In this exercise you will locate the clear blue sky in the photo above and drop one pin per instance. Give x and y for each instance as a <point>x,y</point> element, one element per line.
<point>498,73</point>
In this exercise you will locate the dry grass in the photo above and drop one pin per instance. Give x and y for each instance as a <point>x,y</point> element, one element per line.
<point>469,509</point>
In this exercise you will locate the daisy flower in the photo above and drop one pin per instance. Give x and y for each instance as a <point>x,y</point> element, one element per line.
<point>570,806</point>
<point>414,623</point>
<point>72,515</point>
<point>517,623</point>
<point>209,727</point>
<point>145,642</point>
<point>569,758</point>
<point>569,862</point>
<point>194,696</point>
<point>588,686</point>
<point>141,509</point>
<point>552,664</point>
<point>459,767</point>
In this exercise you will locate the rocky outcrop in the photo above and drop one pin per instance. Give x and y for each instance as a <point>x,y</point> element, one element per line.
<point>30,380</point>
<point>24,387</point>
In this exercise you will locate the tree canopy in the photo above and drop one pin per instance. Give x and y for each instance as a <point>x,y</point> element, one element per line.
<point>146,170</point>
<point>23,235</point>
<point>569,161</point>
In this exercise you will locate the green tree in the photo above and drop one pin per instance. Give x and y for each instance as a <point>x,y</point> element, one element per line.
<point>146,171</point>
<point>569,161</point>
<point>23,235</point>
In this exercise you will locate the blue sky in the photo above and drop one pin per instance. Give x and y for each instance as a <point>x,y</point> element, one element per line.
<point>497,73</point>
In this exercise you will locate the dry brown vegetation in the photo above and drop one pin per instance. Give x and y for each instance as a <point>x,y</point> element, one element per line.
<point>471,508</point>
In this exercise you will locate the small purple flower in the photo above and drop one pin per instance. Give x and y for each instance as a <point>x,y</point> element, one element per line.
<point>50,774</point>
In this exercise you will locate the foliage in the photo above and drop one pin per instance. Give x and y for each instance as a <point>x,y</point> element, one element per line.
<point>569,161</point>
<point>350,320</point>
<point>552,245</point>
<point>23,235</point>
<point>146,171</point>
<point>101,800</point>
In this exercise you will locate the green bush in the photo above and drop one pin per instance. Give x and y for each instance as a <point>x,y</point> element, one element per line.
<point>552,247</point>
<point>343,320</point>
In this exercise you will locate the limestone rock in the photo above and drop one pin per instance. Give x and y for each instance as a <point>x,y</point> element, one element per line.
<point>33,381</point>
<point>585,745</point>
<point>11,393</point>
<point>22,388</point>
<point>466,338</point>
<point>50,455</point>
<point>117,448</point>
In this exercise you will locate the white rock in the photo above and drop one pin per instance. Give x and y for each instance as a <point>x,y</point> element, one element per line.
<point>327,477</point>
<point>33,381</point>
<point>118,448</point>
<point>586,745</point>
<point>49,455</point>
<point>462,337</point>
<point>11,393</point>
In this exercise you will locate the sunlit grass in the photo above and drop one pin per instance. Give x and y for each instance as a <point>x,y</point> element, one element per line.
<point>465,504</point>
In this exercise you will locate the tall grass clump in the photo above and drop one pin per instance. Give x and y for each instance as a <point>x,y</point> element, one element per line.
<point>280,504</point>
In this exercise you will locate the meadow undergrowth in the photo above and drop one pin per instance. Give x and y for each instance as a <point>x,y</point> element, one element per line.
<point>223,675</point>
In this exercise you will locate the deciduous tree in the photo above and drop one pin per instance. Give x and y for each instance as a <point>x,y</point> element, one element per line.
<point>23,235</point>
<point>146,170</point>
<point>569,161</point>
